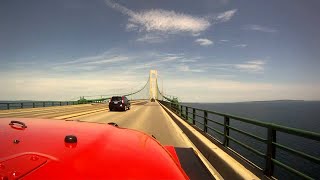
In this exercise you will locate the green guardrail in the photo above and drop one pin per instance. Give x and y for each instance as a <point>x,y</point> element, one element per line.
<point>189,114</point>
<point>36,104</point>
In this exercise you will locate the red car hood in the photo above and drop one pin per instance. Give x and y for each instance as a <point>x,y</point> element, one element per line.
<point>39,151</point>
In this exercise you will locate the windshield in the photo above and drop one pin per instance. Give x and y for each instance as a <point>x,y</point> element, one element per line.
<point>118,98</point>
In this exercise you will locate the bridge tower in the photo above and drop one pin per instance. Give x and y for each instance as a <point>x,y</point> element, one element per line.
<point>153,84</point>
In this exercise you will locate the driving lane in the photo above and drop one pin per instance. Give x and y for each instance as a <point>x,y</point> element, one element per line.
<point>149,118</point>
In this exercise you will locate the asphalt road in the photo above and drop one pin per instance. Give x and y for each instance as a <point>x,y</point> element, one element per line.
<point>144,116</point>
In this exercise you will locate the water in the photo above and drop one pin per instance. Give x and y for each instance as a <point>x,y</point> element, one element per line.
<point>297,114</point>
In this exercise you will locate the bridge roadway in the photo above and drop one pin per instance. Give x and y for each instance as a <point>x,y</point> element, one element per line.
<point>145,116</point>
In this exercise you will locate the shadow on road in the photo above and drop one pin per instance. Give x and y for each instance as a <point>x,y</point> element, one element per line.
<point>192,164</point>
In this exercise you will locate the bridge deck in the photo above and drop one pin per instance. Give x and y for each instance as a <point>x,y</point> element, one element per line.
<point>145,116</point>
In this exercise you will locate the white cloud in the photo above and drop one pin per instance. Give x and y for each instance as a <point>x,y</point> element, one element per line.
<point>124,61</point>
<point>154,60</point>
<point>159,20</point>
<point>185,60</point>
<point>226,16</point>
<point>204,42</point>
<point>120,8</point>
<point>168,21</point>
<point>258,62</point>
<point>130,27</point>
<point>108,60</point>
<point>101,56</point>
<point>81,60</point>
<point>253,66</point>
<point>183,68</point>
<point>255,27</point>
<point>224,40</point>
<point>256,66</point>
<point>151,38</point>
<point>165,60</point>
<point>186,68</point>
<point>90,63</point>
<point>196,34</point>
<point>241,45</point>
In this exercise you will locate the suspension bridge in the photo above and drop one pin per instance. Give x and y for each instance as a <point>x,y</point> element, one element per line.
<point>213,136</point>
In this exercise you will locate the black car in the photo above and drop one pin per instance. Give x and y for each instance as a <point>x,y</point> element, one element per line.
<point>153,100</point>
<point>119,103</point>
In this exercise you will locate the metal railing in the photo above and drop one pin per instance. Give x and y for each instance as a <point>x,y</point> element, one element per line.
<point>191,115</point>
<point>35,104</point>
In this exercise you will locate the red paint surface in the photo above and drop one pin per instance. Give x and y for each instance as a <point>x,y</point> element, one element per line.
<point>102,152</point>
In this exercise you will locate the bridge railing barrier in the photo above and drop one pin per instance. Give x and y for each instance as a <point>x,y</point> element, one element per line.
<point>36,104</point>
<point>21,105</point>
<point>204,121</point>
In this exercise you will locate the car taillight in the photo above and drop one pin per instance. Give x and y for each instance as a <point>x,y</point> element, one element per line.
<point>122,101</point>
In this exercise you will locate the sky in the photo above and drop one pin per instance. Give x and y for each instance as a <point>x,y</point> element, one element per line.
<point>204,50</point>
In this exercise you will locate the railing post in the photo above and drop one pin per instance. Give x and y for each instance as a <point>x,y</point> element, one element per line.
<point>21,105</point>
<point>72,102</point>
<point>67,102</point>
<point>193,116</point>
<point>205,121</point>
<point>8,105</point>
<point>271,151</point>
<point>33,105</point>
<point>60,103</point>
<point>226,131</point>
<point>52,104</point>
<point>44,104</point>
<point>176,107</point>
<point>180,107</point>
<point>187,114</point>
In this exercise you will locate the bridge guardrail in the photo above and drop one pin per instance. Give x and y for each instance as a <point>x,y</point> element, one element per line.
<point>21,105</point>
<point>36,104</point>
<point>189,114</point>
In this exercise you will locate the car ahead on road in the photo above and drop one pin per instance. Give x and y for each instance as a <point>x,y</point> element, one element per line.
<point>119,103</point>
<point>153,100</point>
<point>82,150</point>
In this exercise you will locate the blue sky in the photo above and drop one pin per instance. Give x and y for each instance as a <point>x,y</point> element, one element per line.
<point>204,51</point>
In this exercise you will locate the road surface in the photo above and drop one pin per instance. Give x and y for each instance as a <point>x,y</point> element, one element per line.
<point>145,116</point>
